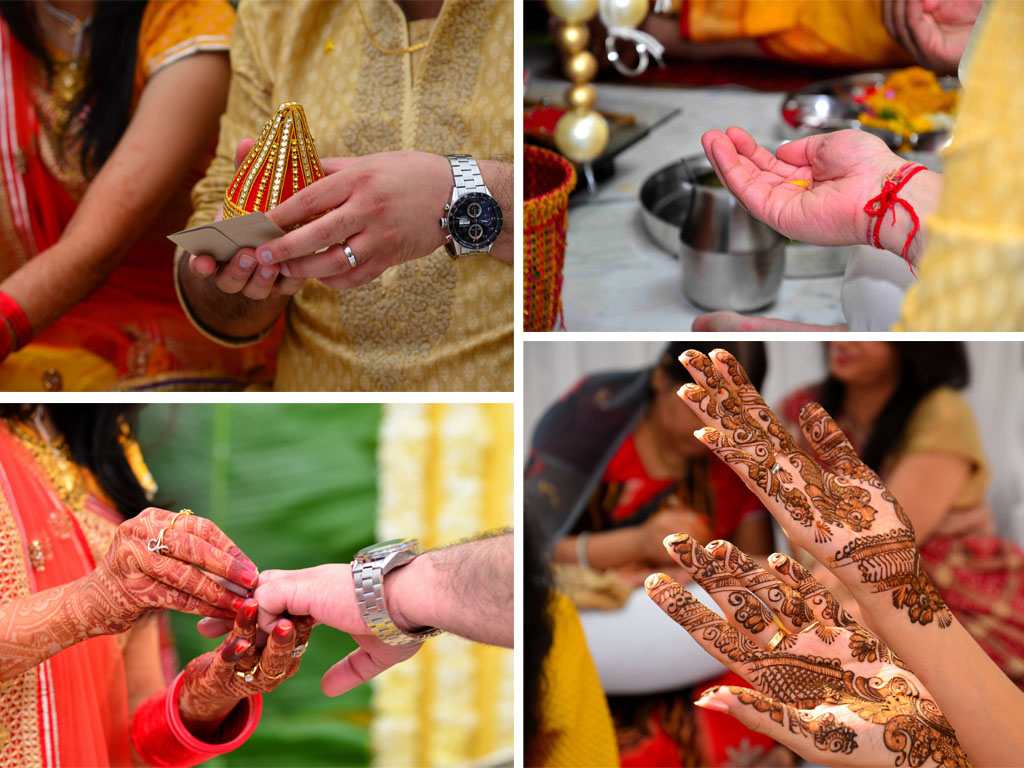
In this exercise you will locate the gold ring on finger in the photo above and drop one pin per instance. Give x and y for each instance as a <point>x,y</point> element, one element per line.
<point>179,514</point>
<point>249,675</point>
<point>272,677</point>
<point>774,642</point>
<point>809,627</point>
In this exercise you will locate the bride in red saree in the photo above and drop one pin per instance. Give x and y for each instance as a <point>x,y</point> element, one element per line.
<point>86,203</point>
<point>82,679</point>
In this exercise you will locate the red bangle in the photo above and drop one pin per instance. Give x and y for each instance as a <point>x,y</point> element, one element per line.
<point>887,200</point>
<point>161,738</point>
<point>16,316</point>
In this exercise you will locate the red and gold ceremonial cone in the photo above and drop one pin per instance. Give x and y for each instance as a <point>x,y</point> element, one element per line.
<point>281,162</point>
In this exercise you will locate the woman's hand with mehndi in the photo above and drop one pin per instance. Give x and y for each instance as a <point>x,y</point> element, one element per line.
<point>823,685</point>
<point>215,682</point>
<point>834,506</point>
<point>154,563</point>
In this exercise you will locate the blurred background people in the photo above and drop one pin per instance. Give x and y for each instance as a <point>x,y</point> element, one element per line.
<point>110,114</point>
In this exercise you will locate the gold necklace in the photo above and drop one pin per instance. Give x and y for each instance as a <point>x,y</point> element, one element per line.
<point>54,456</point>
<point>378,46</point>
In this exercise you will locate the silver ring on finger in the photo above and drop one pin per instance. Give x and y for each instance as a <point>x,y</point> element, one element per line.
<point>775,468</point>
<point>352,260</point>
<point>298,650</point>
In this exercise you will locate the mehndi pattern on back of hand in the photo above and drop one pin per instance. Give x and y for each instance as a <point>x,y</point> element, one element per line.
<point>841,494</point>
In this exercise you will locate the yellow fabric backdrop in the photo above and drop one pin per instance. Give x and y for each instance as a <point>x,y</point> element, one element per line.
<point>445,473</point>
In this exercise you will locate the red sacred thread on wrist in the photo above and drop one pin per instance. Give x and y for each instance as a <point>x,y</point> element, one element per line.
<point>18,320</point>
<point>887,200</point>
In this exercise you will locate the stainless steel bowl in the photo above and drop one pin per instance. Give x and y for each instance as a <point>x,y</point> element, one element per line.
<point>728,259</point>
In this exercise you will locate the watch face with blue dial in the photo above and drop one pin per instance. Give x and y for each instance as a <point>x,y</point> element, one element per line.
<point>475,221</point>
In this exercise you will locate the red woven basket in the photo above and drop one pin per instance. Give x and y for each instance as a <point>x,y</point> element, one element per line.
<point>547,182</point>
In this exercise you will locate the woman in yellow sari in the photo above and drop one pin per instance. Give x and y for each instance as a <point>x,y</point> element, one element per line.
<point>108,113</point>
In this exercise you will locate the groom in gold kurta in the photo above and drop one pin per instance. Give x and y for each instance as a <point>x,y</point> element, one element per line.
<point>433,323</point>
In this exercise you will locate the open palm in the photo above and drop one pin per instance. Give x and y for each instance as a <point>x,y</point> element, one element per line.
<point>824,686</point>
<point>844,169</point>
<point>834,505</point>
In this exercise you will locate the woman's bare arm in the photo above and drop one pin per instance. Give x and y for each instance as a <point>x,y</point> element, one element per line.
<point>175,120</point>
<point>927,485</point>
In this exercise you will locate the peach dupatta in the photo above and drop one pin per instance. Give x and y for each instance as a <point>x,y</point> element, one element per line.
<point>71,710</point>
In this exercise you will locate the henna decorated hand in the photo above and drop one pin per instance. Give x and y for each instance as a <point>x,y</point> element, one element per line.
<point>133,579</point>
<point>823,685</point>
<point>838,509</point>
<point>215,682</point>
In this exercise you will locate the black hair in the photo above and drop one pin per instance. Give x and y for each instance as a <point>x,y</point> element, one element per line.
<point>92,432</point>
<point>750,354</point>
<point>112,45</point>
<point>538,632</point>
<point>924,366</point>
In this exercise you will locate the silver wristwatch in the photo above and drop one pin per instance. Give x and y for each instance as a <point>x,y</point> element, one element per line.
<point>369,567</point>
<point>473,219</point>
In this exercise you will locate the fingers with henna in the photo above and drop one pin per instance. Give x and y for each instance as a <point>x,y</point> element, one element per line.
<point>786,603</point>
<point>277,656</point>
<point>739,605</point>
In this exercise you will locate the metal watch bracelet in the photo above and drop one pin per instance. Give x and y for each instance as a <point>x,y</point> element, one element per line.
<point>369,584</point>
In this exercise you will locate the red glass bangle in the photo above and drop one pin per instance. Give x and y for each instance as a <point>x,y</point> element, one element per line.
<point>887,200</point>
<point>18,320</point>
<point>161,738</point>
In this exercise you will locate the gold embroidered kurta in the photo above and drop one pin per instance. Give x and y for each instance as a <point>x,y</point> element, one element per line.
<point>430,324</point>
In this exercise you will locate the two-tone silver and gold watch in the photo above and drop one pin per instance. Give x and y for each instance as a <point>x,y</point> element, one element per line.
<point>473,217</point>
<point>369,567</point>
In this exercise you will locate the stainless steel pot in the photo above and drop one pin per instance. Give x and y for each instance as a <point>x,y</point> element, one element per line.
<point>728,259</point>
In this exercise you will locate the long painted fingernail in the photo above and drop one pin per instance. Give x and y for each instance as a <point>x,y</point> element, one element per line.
<point>237,604</point>
<point>284,628</point>
<point>249,579</point>
<point>245,261</point>
<point>236,650</point>
<point>266,257</point>
<point>713,704</point>
<point>251,608</point>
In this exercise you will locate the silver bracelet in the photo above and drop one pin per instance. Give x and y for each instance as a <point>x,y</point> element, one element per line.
<point>581,549</point>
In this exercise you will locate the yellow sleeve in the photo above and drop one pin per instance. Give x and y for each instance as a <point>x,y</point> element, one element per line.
<point>249,107</point>
<point>943,422</point>
<point>576,725</point>
<point>174,29</point>
<point>972,274</point>
<point>833,32</point>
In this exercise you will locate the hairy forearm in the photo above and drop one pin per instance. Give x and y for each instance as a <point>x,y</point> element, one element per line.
<point>35,627</point>
<point>499,177</point>
<point>466,589</point>
<point>227,314</point>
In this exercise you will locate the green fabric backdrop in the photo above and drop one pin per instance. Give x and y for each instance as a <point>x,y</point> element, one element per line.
<point>294,486</point>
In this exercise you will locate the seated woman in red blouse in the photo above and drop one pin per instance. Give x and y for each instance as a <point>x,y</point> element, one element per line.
<point>613,469</point>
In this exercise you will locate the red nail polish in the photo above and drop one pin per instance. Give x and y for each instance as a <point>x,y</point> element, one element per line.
<point>237,604</point>
<point>283,628</point>
<point>251,607</point>
<point>249,579</point>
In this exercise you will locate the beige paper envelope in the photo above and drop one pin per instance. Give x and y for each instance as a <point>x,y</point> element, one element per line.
<point>223,239</point>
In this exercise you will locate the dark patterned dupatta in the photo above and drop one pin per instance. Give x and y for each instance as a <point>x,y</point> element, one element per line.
<point>572,445</point>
